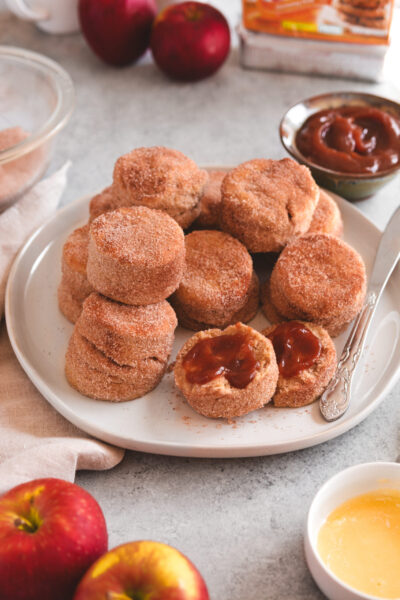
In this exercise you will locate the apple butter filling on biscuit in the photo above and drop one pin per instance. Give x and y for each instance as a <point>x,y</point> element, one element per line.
<point>306,359</point>
<point>227,373</point>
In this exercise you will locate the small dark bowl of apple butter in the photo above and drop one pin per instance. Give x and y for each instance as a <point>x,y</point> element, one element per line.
<point>349,140</point>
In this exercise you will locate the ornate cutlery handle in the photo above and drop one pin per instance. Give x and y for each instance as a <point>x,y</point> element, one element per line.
<point>335,400</point>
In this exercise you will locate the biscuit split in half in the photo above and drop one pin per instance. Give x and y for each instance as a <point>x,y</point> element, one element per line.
<point>307,384</point>
<point>218,398</point>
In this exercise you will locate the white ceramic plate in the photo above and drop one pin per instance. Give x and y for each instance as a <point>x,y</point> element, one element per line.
<point>162,422</point>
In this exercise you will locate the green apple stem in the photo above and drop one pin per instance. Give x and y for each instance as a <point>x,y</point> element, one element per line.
<point>25,525</point>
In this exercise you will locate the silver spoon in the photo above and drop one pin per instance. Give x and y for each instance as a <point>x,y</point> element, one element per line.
<point>336,398</point>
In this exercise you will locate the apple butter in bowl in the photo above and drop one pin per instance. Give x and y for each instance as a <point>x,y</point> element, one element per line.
<point>349,140</point>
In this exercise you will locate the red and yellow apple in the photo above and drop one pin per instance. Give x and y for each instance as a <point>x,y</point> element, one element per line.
<point>118,31</point>
<point>51,531</point>
<point>140,571</point>
<point>190,40</point>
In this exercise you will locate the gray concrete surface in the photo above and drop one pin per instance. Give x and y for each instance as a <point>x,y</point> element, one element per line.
<point>240,521</point>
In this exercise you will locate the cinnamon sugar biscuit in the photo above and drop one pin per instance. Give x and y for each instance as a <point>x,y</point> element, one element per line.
<point>69,306</point>
<point>103,202</point>
<point>217,281</point>
<point>136,255</point>
<point>126,333</point>
<point>160,178</point>
<point>74,286</point>
<point>308,384</point>
<point>210,204</point>
<point>265,203</point>
<point>326,217</point>
<point>250,308</point>
<point>319,278</point>
<point>218,398</point>
<point>244,315</point>
<point>74,262</point>
<point>93,374</point>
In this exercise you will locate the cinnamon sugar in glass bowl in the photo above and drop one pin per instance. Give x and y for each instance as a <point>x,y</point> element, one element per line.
<point>36,101</point>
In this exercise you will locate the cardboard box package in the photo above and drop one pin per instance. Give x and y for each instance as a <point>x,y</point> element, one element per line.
<point>344,38</point>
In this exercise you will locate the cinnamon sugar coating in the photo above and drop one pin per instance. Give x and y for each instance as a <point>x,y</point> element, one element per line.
<point>217,398</point>
<point>136,255</point>
<point>126,333</point>
<point>250,307</point>
<point>102,202</point>
<point>326,217</point>
<point>244,314</point>
<point>269,310</point>
<point>217,280</point>
<point>305,387</point>
<point>161,178</point>
<point>75,250</point>
<point>74,286</point>
<point>210,204</point>
<point>67,303</point>
<point>93,374</point>
<point>266,203</point>
<point>74,262</point>
<point>319,278</point>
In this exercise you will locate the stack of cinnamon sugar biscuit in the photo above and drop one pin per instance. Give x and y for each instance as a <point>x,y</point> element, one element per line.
<point>121,268</point>
<point>123,337</point>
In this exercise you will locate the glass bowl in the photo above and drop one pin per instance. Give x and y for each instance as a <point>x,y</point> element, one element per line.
<point>347,185</point>
<point>36,101</point>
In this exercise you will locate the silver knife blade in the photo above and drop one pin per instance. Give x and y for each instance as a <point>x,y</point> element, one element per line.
<point>388,249</point>
<point>336,398</point>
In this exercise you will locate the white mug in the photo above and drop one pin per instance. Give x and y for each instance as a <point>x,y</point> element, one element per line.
<point>53,16</point>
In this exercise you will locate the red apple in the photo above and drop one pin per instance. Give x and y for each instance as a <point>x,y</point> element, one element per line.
<point>118,31</point>
<point>141,570</point>
<point>51,531</point>
<point>190,40</point>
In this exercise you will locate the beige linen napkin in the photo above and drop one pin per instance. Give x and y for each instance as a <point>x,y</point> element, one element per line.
<point>35,441</point>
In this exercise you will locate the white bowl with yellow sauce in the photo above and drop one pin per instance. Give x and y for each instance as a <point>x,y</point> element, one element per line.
<point>352,537</point>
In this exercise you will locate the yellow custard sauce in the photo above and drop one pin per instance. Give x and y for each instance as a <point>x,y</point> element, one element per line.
<point>360,543</point>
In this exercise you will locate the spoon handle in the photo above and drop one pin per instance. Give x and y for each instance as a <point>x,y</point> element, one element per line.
<point>336,398</point>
